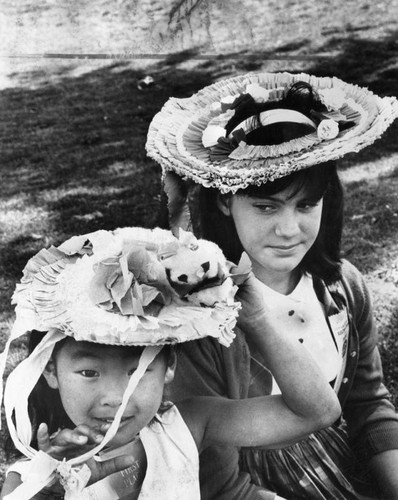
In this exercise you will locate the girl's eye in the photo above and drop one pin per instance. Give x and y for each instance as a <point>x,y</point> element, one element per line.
<point>130,372</point>
<point>265,208</point>
<point>307,205</point>
<point>89,373</point>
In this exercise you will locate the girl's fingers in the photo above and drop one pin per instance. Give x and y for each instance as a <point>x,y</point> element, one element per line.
<point>70,442</point>
<point>104,427</point>
<point>116,464</point>
<point>93,435</point>
<point>99,470</point>
<point>43,438</point>
<point>80,435</point>
<point>67,438</point>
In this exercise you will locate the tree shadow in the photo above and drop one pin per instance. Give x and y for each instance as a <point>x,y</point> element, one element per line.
<point>77,145</point>
<point>75,149</point>
<point>367,63</point>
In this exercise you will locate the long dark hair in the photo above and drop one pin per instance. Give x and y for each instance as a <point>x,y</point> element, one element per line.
<point>323,259</point>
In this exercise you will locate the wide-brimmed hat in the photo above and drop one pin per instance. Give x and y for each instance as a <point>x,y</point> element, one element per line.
<point>131,286</point>
<point>205,138</point>
<point>128,287</point>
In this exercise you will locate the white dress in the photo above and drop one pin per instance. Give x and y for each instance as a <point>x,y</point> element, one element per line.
<point>172,471</point>
<point>314,333</point>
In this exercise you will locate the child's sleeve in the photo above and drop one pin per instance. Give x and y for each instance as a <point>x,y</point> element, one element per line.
<point>205,368</point>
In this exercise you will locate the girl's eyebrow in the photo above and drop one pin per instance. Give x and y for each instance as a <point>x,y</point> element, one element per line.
<point>271,197</point>
<point>268,197</point>
<point>84,353</point>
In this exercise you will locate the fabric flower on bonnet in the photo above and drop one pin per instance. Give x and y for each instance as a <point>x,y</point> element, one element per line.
<point>121,284</point>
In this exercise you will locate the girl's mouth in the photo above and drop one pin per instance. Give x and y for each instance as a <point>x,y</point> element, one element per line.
<point>285,248</point>
<point>110,420</point>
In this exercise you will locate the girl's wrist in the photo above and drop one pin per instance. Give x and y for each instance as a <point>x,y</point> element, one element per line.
<point>46,494</point>
<point>53,491</point>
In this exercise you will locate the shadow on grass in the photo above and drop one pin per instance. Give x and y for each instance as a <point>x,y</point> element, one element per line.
<point>368,63</point>
<point>371,223</point>
<point>76,147</point>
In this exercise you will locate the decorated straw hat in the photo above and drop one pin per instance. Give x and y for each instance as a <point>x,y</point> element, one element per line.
<point>210,138</point>
<point>131,286</point>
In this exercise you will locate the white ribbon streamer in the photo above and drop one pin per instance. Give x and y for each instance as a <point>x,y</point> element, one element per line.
<point>43,468</point>
<point>20,384</point>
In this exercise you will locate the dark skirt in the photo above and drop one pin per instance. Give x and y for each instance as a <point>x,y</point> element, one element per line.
<point>321,467</point>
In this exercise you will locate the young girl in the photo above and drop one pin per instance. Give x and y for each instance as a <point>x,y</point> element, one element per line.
<point>262,148</point>
<point>109,302</point>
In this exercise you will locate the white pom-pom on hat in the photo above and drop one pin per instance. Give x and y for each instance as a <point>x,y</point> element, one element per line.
<point>211,135</point>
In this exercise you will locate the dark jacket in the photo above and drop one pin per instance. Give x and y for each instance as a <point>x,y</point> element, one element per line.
<point>207,368</point>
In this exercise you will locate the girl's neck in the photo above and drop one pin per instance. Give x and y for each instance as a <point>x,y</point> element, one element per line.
<point>283,283</point>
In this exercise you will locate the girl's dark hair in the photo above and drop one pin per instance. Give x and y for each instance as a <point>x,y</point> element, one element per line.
<point>44,403</point>
<point>323,259</point>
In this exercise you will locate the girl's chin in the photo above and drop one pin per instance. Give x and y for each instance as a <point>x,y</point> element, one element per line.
<point>289,266</point>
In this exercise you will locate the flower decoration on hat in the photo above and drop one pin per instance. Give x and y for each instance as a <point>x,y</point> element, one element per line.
<point>262,117</point>
<point>255,128</point>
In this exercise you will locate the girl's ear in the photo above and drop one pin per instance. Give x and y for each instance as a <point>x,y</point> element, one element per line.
<point>223,202</point>
<point>171,368</point>
<point>50,374</point>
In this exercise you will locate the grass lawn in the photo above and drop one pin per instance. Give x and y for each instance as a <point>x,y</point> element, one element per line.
<point>72,138</point>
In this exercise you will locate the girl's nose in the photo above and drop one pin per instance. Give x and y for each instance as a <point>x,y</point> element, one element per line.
<point>112,394</point>
<point>288,226</point>
<point>112,400</point>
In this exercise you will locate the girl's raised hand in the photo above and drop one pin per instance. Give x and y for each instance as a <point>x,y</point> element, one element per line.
<point>257,319</point>
<point>68,443</point>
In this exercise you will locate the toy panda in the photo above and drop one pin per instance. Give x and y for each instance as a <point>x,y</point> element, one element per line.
<point>194,262</point>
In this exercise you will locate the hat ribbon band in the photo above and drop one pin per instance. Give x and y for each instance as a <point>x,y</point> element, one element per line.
<point>275,116</point>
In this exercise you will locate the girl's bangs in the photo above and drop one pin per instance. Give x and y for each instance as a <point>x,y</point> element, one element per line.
<point>313,180</point>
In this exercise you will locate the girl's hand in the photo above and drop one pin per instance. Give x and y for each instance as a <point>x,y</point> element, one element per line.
<point>256,318</point>
<point>69,443</point>
<point>253,307</point>
<point>99,470</point>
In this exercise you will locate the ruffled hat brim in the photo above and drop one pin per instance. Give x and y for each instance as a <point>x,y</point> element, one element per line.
<point>54,294</point>
<point>176,132</point>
